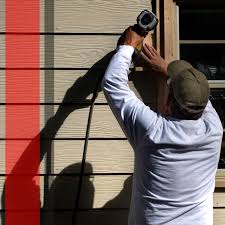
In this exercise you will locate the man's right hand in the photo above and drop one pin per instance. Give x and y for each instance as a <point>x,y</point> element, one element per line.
<point>154,60</point>
<point>130,37</point>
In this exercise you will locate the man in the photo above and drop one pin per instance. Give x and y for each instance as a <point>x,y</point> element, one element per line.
<point>176,155</point>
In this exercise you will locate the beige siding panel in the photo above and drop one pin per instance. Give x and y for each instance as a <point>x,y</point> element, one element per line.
<point>109,191</point>
<point>70,51</point>
<point>104,124</point>
<point>2,157</point>
<point>220,178</point>
<point>143,84</point>
<point>2,121</point>
<point>103,156</point>
<point>68,156</point>
<point>74,125</point>
<point>219,199</point>
<point>2,86</point>
<point>2,15</point>
<point>99,16</point>
<point>2,51</point>
<point>82,84</point>
<point>53,90</point>
<point>219,218</point>
<point>110,156</point>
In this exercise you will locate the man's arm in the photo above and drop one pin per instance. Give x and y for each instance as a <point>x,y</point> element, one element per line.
<point>133,115</point>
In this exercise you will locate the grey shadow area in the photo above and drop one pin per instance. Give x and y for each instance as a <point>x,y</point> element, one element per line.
<point>144,80</point>
<point>64,192</point>
<point>75,98</point>
<point>114,212</point>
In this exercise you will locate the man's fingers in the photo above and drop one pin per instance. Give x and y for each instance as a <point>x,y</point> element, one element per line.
<point>152,50</point>
<point>147,52</point>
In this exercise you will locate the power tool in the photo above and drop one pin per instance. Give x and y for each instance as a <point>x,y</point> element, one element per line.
<point>146,21</point>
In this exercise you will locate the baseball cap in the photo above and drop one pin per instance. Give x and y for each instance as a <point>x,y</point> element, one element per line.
<point>190,86</point>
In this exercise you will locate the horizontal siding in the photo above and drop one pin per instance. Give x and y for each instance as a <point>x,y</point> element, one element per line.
<point>78,120</point>
<point>102,156</point>
<point>103,124</point>
<point>98,191</point>
<point>70,51</point>
<point>55,83</point>
<point>99,16</point>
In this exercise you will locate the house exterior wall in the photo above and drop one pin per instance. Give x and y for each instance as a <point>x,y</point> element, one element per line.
<point>76,37</point>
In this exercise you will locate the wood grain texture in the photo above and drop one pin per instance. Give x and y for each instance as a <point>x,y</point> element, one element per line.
<point>104,124</point>
<point>171,41</point>
<point>99,16</point>
<point>2,157</point>
<point>220,178</point>
<point>2,15</point>
<point>70,51</point>
<point>219,216</point>
<point>219,199</point>
<point>111,191</point>
<point>103,156</point>
<point>74,125</point>
<point>55,83</point>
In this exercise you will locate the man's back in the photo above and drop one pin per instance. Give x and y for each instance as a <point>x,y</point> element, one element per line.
<point>175,166</point>
<point>175,160</point>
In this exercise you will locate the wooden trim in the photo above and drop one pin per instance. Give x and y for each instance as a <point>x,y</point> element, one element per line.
<point>169,45</point>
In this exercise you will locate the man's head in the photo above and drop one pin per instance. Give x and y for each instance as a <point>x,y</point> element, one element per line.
<point>189,90</point>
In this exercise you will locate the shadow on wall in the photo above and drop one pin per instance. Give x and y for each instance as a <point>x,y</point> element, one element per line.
<point>63,189</point>
<point>63,193</point>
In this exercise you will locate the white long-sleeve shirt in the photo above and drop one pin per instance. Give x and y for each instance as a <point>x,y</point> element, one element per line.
<point>175,160</point>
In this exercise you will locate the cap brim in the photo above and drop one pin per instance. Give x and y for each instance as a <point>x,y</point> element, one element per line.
<point>177,66</point>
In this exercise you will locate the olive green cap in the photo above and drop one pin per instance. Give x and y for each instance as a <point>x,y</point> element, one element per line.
<point>190,86</point>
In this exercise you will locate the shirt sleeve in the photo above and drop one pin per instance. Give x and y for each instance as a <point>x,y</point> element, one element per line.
<point>134,117</point>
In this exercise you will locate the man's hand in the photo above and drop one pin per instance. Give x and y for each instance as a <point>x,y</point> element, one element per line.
<point>154,60</point>
<point>130,37</point>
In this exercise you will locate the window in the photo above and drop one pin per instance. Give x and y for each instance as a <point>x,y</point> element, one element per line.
<point>202,43</point>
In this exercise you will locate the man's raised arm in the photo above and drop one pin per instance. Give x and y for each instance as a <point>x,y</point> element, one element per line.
<point>133,115</point>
